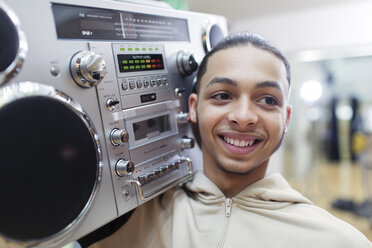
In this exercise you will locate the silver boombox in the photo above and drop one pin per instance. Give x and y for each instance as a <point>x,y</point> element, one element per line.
<point>93,111</point>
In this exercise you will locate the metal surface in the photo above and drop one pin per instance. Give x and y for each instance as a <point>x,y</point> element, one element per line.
<point>136,92</point>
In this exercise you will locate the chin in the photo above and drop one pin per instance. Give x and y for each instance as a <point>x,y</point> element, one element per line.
<point>237,170</point>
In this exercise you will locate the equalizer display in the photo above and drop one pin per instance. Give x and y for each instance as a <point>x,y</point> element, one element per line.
<point>140,62</point>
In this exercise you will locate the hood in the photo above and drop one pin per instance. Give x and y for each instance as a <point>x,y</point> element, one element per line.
<point>271,192</point>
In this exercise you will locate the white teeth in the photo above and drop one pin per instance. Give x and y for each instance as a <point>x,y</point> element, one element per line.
<point>239,143</point>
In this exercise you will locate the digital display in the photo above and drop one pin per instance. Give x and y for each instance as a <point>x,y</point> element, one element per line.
<point>79,22</point>
<point>140,62</point>
<point>148,98</point>
<point>151,127</point>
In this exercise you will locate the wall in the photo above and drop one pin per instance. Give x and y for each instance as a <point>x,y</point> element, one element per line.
<point>341,25</point>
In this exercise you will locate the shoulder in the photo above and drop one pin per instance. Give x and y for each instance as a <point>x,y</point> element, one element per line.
<point>150,225</point>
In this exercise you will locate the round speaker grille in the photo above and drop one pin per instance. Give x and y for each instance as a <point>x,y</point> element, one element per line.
<point>212,36</point>
<point>12,43</point>
<point>49,167</point>
<point>8,41</point>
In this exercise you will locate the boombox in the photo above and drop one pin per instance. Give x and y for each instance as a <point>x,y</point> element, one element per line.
<point>93,111</point>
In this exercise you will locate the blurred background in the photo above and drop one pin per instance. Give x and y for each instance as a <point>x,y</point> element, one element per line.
<point>327,154</point>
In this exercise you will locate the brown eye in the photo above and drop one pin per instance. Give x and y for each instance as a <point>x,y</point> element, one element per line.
<point>222,96</point>
<point>269,100</point>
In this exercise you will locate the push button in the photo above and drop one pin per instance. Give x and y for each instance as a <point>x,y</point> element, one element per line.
<point>171,167</point>
<point>142,179</point>
<point>156,173</point>
<point>132,85</point>
<point>124,86</point>
<point>163,170</point>
<point>150,177</point>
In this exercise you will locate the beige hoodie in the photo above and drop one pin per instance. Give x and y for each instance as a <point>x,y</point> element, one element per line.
<point>268,213</point>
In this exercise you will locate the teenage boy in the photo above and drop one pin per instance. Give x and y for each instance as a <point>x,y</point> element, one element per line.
<point>242,113</point>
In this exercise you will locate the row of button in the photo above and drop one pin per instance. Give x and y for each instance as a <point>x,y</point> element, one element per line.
<point>143,84</point>
<point>163,170</point>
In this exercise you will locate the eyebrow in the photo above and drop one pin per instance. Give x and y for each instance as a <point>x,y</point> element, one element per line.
<point>229,81</point>
<point>222,80</point>
<point>271,84</point>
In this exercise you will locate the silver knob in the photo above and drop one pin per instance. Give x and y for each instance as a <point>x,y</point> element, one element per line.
<point>111,104</point>
<point>186,63</point>
<point>179,91</point>
<point>124,167</point>
<point>119,136</point>
<point>87,68</point>
<point>187,143</point>
<point>182,118</point>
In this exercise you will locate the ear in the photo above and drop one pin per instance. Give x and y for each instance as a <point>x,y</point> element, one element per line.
<point>288,116</point>
<point>193,100</point>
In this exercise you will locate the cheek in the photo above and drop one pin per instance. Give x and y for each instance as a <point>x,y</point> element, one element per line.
<point>275,124</point>
<point>208,118</point>
<point>204,121</point>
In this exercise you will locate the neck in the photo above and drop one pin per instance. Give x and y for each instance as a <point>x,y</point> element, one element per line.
<point>232,184</point>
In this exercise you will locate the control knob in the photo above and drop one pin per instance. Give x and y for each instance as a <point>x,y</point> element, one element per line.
<point>111,104</point>
<point>186,63</point>
<point>179,91</point>
<point>119,136</point>
<point>87,68</point>
<point>182,118</point>
<point>124,167</point>
<point>187,143</point>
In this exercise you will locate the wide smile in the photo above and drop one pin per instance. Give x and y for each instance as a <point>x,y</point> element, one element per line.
<point>240,145</point>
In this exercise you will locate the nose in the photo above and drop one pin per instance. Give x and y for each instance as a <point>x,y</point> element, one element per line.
<point>243,113</point>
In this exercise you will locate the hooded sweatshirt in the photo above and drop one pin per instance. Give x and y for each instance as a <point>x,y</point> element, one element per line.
<point>268,213</point>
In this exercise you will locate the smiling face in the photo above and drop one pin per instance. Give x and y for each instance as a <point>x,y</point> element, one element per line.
<point>241,110</point>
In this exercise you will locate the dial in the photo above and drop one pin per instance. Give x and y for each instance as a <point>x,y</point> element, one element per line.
<point>87,68</point>
<point>119,136</point>
<point>124,167</point>
<point>182,118</point>
<point>186,63</point>
<point>187,143</point>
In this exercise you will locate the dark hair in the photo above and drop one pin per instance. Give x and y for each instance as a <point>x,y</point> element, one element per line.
<point>240,39</point>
